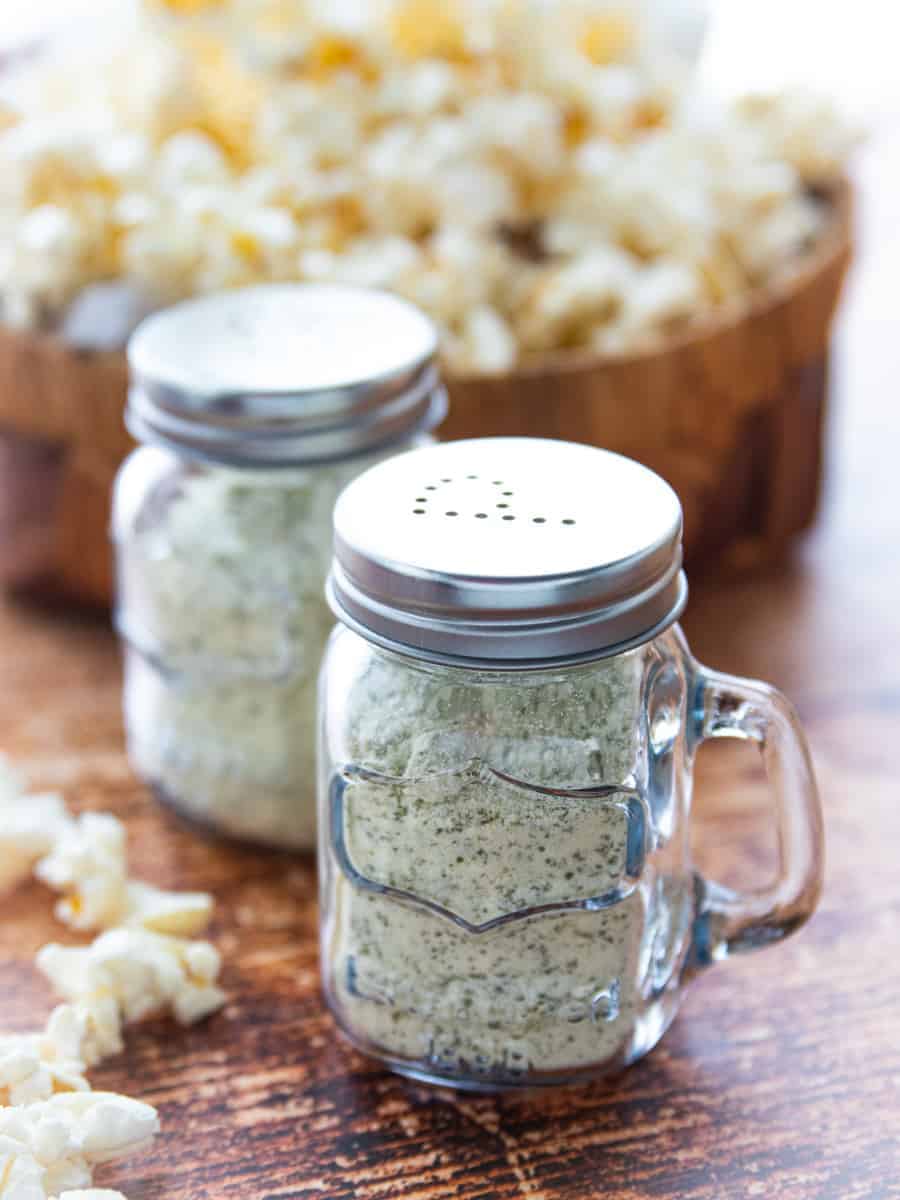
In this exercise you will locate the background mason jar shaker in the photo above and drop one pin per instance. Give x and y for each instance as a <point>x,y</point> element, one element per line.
<point>254,407</point>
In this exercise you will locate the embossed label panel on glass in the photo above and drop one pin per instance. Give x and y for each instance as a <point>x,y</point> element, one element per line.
<point>481,847</point>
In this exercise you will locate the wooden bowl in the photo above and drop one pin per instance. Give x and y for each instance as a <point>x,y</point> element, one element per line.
<point>731,413</point>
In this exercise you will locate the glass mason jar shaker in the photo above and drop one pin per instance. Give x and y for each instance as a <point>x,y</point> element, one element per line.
<point>256,408</point>
<point>509,716</point>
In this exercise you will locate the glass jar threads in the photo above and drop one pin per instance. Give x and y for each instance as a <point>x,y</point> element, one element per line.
<point>509,715</point>
<point>255,407</point>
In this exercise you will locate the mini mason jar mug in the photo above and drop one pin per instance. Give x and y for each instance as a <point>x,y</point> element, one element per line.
<point>256,408</point>
<point>508,718</point>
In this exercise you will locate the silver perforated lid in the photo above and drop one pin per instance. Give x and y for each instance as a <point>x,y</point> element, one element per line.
<point>508,552</point>
<point>284,374</point>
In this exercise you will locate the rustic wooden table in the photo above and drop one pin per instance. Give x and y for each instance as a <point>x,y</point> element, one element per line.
<point>780,1077</point>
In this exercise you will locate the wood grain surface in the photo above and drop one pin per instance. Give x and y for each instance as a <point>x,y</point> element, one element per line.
<point>781,1077</point>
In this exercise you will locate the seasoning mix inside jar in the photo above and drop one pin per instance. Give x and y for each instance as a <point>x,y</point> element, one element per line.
<point>256,408</point>
<point>509,716</point>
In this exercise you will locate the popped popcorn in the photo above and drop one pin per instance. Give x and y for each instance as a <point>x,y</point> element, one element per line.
<point>29,826</point>
<point>30,1071</point>
<point>21,1175</point>
<point>79,1035</point>
<point>86,860</point>
<point>145,974</point>
<point>53,1129</point>
<point>28,830</point>
<point>180,914</point>
<point>91,1194</point>
<point>55,1144</point>
<point>88,864</point>
<point>536,176</point>
<point>99,1025</point>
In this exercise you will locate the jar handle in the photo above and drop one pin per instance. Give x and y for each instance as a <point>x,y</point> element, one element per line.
<point>730,922</point>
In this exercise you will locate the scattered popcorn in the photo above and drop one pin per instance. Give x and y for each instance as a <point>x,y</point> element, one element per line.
<point>63,1038</point>
<point>26,1075</point>
<point>53,1129</point>
<point>29,827</point>
<point>21,1175</point>
<point>106,1126</point>
<point>55,1143</point>
<point>84,1033</point>
<point>101,1029</point>
<point>28,830</point>
<point>88,864</point>
<point>480,157</point>
<point>145,973</point>
<point>179,914</point>
<point>91,1194</point>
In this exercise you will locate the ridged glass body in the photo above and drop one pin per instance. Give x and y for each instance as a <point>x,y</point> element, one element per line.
<point>507,896</point>
<point>221,609</point>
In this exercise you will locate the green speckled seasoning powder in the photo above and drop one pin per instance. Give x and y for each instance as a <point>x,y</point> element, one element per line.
<point>477,792</point>
<point>221,677</point>
<point>486,848</point>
